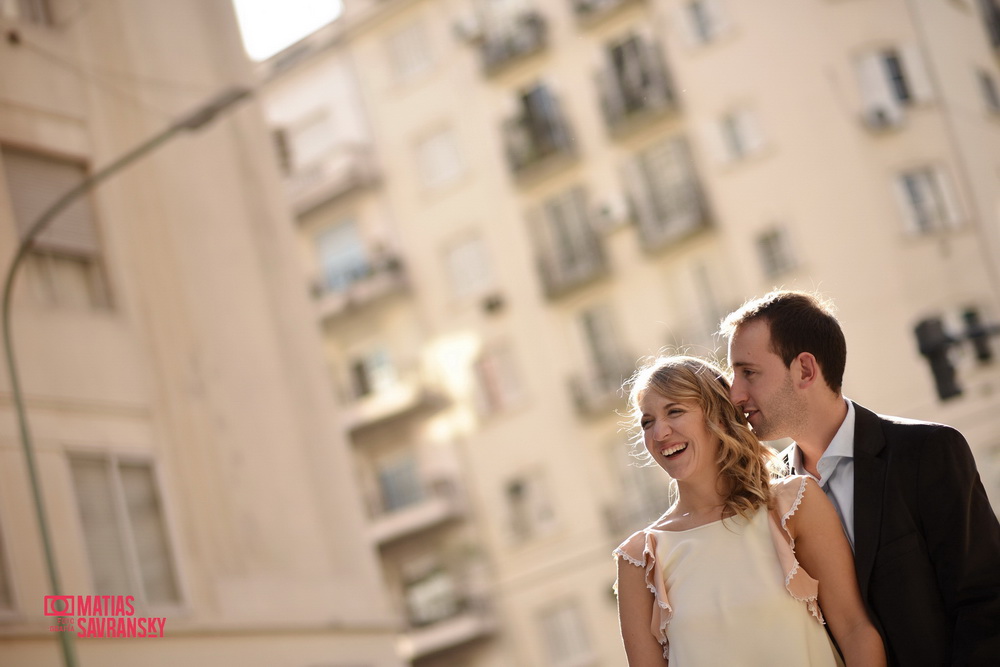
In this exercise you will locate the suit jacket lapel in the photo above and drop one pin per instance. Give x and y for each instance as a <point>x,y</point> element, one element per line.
<point>869,485</point>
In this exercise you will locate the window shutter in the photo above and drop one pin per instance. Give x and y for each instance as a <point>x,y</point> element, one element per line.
<point>877,100</point>
<point>952,211</point>
<point>751,135</point>
<point>101,525</point>
<point>905,202</point>
<point>639,194</point>
<point>36,182</point>
<point>149,533</point>
<point>916,73</point>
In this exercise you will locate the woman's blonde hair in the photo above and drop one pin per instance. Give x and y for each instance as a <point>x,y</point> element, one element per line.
<point>746,466</point>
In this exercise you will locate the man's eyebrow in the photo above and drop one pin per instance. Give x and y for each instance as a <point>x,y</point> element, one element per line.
<point>740,364</point>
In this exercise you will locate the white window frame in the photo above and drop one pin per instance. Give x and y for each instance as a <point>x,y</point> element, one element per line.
<point>881,105</point>
<point>703,21</point>
<point>114,462</point>
<point>531,513</point>
<point>934,185</point>
<point>775,251</point>
<point>467,262</point>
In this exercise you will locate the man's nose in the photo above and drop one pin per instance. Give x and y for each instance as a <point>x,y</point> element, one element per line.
<point>737,393</point>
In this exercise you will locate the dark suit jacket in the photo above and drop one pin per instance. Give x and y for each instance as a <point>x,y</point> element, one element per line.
<point>927,543</point>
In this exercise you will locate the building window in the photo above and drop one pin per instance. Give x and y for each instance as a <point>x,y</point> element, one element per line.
<point>65,265</point>
<point>530,511</point>
<point>372,373</point>
<point>343,257</point>
<point>775,252</point>
<point>409,52</point>
<point>125,530</point>
<point>498,384</point>
<point>438,159</point>
<point>32,11</point>
<point>565,636</point>
<point>890,80</point>
<point>741,134</point>
<point>606,357</point>
<point>705,20</point>
<point>469,269</point>
<point>570,252</point>
<point>433,597</point>
<point>310,140</point>
<point>664,192</point>
<point>991,94</point>
<point>926,200</point>
<point>399,483</point>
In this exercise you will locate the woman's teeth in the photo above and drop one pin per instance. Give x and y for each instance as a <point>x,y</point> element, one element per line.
<point>675,449</point>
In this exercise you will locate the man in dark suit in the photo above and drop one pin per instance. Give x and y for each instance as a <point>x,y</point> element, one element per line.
<point>925,539</point>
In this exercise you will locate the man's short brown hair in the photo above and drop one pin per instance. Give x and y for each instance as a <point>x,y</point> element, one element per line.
<point>798,322</point>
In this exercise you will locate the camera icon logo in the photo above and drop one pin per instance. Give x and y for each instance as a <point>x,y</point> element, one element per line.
<point>59,605</point>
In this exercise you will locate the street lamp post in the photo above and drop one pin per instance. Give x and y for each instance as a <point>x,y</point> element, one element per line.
<point>189,123</point>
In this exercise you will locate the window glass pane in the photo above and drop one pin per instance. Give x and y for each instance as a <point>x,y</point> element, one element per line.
<point>102,529</point>
<point>343,258</point>
<point>399,482</point>
<point>152,546</point>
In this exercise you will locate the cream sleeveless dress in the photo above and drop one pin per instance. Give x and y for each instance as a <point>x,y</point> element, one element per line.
<point>732,593</point>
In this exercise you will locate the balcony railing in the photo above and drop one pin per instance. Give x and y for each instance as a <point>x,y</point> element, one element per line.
<point>535,139</point>
<point>383,276</point>
<point>589,12</point>
<point>411,393</point>
<point>441,503</point>
<point>472,620</point>
<point>343,171</point>
<point>522,36</point>
<point>561,275</point>
<point>600,394</point>
<point>631,101</point>
<point>670,215</point>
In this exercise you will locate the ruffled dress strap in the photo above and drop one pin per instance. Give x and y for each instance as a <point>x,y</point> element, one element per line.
<point>640,550</point>
<point>787,495</point>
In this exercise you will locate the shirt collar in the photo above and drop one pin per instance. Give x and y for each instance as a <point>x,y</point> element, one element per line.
<point>842,445</point>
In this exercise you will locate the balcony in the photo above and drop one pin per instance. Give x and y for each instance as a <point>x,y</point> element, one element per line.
<point>591,12</point>
<point>441,503</point>
<point>671,214</point>
<point>382,277</point>
<point>523,35</point>
<point>535,143</point>
<point>600,394</point>
<point>404,397</point>
<point>343,171</point>
<point>634,96</point>
<point>562,271</point>
<point>470,621</point>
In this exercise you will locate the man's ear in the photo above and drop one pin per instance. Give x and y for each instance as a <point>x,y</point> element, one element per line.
<point>806,370</point>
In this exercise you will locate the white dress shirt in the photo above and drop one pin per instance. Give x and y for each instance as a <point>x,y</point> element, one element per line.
<point>836,470</point>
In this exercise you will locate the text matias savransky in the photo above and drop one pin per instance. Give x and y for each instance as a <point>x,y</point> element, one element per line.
<point>107,616</point>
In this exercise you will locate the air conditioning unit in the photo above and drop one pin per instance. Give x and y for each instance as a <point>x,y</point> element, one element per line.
<point>613,213</point>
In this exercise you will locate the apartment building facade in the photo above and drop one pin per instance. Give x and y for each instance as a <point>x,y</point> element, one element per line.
<point>555,189</point>
<point>189,452</point>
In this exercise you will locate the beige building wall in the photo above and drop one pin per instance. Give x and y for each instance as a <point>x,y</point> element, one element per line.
<point>190,451</point>
<point>844,147</point>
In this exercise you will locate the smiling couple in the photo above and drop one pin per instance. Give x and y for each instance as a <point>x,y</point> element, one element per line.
<point>876,526</point>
